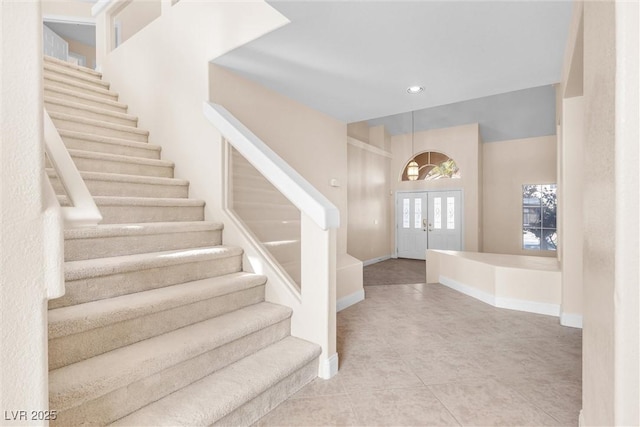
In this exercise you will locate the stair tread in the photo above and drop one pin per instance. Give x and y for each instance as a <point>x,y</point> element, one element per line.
<point>89,379</point>
<point>74,73</point>
<point>97,110</point>
<point>120,177</point>
<point>79,85</point>
<point>91,315</point>
<point>82,269</point>
<point>81,95</point>
<point>220,393</point>
<point>60,62</point>
<point>145,228</point>
<point>107,139</point>
<point>98,123</point>
<point>96,155</point>
<point>137,201</point>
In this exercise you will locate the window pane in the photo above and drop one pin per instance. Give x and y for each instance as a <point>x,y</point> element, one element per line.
<point>549,217</point>
<point>437,213</point>
<point>531,238</point>
<point>418,213</point>
<point>531,217</point>
<point>539,205</point>
<point>406,208</point>
<point>451,209</point>
<point>549,240</point>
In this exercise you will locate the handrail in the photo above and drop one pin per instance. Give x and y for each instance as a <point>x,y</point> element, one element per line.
<point>289,182</point>
<point>83,211</point>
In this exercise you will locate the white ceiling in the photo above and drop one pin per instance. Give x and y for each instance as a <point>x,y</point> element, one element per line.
<point>354,60</point>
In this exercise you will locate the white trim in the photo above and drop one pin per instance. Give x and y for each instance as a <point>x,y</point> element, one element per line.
<point>468,290</point>
<point>529,306</point>
<point>580,419</point>
<point>368,147</point>
<point>571,320</point>
<point>100,6</point>
<point>501,302</point>
<point>287,180</point>
<point>349,300</point>
<point>67,19</point>
<point>53,242</point>
<point>329,367</point>
<point>375,260</point>
<point>83,212</point>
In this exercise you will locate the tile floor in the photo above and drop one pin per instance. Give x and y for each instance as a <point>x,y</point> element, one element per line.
<point>425,355</point>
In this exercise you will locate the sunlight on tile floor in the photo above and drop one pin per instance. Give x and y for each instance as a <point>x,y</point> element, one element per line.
<point>425,355</point>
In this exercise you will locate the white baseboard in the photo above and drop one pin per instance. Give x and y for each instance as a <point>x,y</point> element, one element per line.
<point>349,300</point>
<point>468,290</point>
<point>580,419</point>
<point>375,260</point>
<point>509,303</point>
<point>571,320</point>
<point>329,367</point>
<point>529,306</point>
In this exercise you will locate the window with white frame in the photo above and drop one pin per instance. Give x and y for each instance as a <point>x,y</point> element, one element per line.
<point>539,205</point>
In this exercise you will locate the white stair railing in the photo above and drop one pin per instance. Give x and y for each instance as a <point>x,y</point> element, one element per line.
<point>319,219</point>
<point>83,211</point>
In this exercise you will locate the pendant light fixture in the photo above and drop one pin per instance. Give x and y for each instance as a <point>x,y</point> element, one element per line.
<point>413,170</point>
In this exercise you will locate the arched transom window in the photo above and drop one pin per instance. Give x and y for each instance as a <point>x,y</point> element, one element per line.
<point>431,166</point>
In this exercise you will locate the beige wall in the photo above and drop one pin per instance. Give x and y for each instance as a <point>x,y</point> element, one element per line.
<point>136,15</point>
<point>507,166</point>
<point>89,52</point>
<point>370,217</point>
<point>358,130</point>
<point>599,213</point>
<point>23,335</point>
<point>570,195</point>
<point>463,145</point>
<point>67,8</point>
<point>313,143</point>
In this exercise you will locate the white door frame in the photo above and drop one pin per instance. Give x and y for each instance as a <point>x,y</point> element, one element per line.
<point>398,194</point>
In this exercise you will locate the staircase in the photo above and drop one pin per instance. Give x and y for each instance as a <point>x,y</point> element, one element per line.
<point>159,324</point>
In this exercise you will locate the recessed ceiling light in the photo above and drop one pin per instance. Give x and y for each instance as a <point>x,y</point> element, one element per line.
<point>415,89</point>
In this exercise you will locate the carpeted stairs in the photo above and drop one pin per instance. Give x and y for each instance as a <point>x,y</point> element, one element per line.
<point>159,324</point>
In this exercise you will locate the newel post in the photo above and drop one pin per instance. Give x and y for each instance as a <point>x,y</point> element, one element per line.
<point>319,291</point>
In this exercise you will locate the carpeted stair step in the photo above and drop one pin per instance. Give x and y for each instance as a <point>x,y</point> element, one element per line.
<point>110,240</point>
<point>261,211</point>
<point>58,105</point>
<point>90,161</point>
<point>104,144</point>
<point>119,185</point>
<point>107,387</point>
<point>240,394</point>
<point>101,278</point>
<point>126,210</point>
<point>83,98</point>
<point>82,331</point>
<point>74,74</point>
<point>52,80</point>
<point>74,67</point>
<point>98,127</point>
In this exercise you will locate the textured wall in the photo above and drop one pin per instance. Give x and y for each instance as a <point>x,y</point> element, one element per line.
<point>507,166</point>
<point>23,347</point>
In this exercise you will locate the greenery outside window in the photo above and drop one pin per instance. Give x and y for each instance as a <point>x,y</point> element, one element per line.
<point>539,205</point>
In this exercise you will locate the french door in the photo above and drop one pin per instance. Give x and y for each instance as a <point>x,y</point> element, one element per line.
<point>428,220</point>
